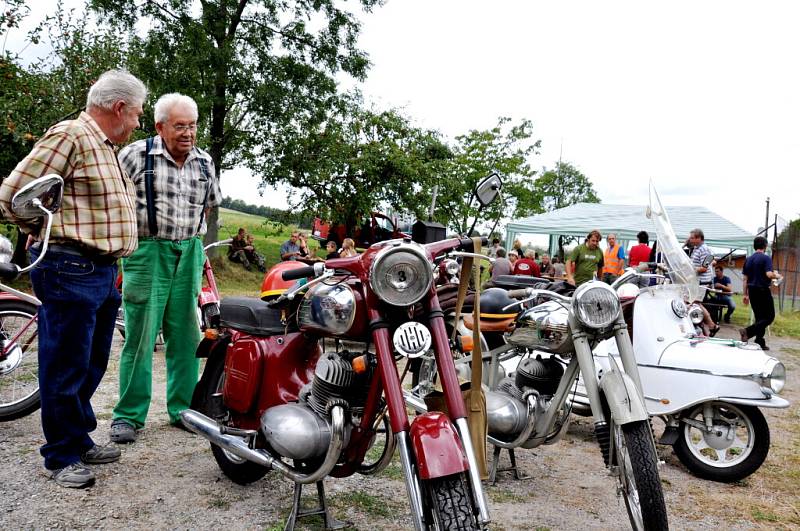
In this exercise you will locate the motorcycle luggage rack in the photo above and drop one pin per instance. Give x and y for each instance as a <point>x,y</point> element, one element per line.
<point>321,509</point>
<point>495,468</point>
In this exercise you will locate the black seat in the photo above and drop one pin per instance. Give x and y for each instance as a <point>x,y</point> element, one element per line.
<point>253,316</point>
<point>520,281</point>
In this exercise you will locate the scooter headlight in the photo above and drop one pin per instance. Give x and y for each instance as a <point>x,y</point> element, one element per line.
<point>679,308</point>
<point>596,305</point>
<point>774,376</point>
<point>696,314</point>
<point>401,275</point>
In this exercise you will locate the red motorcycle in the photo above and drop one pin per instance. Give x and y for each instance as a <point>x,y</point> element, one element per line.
<point>270,394</point>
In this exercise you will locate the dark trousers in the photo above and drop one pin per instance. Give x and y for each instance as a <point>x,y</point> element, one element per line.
<point>764,311</point>
<point>76,326</point>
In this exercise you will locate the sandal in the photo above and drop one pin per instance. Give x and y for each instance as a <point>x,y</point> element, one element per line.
<point>713,331</point>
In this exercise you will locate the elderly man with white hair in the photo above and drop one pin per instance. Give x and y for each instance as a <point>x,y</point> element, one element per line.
<point>75,280</point>
<point>176,185</point>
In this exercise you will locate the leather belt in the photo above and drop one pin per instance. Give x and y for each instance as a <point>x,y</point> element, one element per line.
<point>77,250</point>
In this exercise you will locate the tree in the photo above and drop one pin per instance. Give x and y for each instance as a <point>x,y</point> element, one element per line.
<point>261,70</point>
<point>358,159</point>
<point>505,149</point>
<point>563,186</point>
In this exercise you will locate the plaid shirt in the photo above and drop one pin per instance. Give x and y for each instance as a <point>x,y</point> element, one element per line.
<point>97,210</point>
<point>178,193</point>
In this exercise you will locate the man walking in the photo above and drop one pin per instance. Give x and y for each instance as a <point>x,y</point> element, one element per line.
<point>175,186</point>
<point>75,280</point>
<point>585,261</point>
<point>758,274</point>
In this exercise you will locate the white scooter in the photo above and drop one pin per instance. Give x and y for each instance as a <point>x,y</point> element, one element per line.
<point>707,391</point>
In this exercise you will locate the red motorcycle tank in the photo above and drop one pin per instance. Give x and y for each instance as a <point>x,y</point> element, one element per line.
<point>261,372</point>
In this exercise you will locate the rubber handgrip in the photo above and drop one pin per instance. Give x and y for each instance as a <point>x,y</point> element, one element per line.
<point>300,272</point>
<point>518,293</point>
<point>8,270</point>
<point>467,245</point>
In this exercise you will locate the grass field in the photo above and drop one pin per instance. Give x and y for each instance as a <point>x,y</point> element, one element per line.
<point>231,277</point>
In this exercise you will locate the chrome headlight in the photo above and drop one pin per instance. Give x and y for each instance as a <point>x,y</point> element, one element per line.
<point>696,314</point>
<point>401,275</point>
<point>596,305</point>
<point>452,267</point>
<point>679,308</point>
<point>774,376</point>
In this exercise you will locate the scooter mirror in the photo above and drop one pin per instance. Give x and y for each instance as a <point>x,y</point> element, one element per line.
<point>6,250</point>
<point>488,189</point>
<point>34,198</point>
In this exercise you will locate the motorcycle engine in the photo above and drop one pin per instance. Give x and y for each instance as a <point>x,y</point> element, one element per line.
<point>540,374</point>
<point>302,430</point>
<point>334,378</point>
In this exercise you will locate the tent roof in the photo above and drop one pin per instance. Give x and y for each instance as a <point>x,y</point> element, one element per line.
<point>627,220</point>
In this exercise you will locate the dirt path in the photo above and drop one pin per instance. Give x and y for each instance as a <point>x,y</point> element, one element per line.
<point>169,480</point>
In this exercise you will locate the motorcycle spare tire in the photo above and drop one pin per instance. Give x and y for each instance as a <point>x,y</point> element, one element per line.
<point>14,315</point>
<point>710,465</point>
<point>450,504</point>
<point>208,401</point>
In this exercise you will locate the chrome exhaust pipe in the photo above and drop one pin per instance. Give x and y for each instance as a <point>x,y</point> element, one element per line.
<point>529,427</point>
<point>209,429</point>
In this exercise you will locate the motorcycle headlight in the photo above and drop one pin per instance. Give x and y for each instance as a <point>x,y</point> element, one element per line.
<point>596,305</point>
<point>401,275</point>
<point>452,267</point>
<point>774,376</point>
<point>679,308</point>
<point>696,314</point>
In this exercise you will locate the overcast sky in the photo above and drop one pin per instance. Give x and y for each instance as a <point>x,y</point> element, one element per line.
<point>702,97</point>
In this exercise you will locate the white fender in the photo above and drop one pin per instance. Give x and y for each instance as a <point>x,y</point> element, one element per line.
<point>622,398</point>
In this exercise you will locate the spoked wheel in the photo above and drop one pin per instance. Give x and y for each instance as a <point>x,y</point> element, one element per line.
<point>639,483</point>
<point>450,503</point>
<point>19,360</point>
<point>208,401</point>
<point>734,448</point>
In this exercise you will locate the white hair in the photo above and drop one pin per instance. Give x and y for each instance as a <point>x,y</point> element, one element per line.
<point>168,101</point>
<point>113,86</point>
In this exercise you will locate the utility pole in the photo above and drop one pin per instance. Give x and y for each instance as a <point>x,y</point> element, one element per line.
<point>766,221</point>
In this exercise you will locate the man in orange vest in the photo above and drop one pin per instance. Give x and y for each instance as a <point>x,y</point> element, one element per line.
<point>613,259</point>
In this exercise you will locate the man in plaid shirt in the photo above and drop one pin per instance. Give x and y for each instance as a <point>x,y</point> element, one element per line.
<point>161,280</point>
<point>76,279</point>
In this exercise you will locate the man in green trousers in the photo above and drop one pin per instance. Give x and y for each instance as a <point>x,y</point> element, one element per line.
<point>175,187</point>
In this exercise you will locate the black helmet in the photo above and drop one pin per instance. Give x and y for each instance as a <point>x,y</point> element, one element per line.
<point>493,300</point>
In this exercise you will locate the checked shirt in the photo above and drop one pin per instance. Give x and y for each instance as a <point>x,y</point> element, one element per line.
<point>97,210</point>
<point>178,192</point>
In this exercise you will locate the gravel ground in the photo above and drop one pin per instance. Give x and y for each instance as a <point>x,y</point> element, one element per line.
<point>168,479</point>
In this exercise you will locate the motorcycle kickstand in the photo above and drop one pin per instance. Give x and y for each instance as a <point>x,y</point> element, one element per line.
<point>298,512</point>
<point>496,463</point>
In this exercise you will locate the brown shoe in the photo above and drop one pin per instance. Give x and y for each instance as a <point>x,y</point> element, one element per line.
<point>743,335</point>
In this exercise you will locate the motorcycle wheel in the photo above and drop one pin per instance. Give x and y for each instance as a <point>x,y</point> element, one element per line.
<point>19,370</point>
<point>208,398</point>
<point>640,484</point>
<point>717,456</point>
<point>450,503</point>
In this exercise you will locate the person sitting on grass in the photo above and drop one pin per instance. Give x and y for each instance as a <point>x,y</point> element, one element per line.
<point>238,251</point>
<point>332,252</point>
<point>251,254</point>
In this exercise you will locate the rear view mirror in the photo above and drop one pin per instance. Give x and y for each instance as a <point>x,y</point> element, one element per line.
<point>38,196</point>
<point>488,189</point>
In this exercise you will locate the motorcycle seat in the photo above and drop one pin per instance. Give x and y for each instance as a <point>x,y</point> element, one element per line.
<point>490,325</point>
<point>252,316</point>
<point>520,281</point>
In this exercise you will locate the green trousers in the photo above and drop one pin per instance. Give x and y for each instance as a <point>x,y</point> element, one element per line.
<point>160,285</point>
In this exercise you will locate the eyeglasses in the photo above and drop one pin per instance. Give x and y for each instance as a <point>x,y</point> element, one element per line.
<point>184,128</point>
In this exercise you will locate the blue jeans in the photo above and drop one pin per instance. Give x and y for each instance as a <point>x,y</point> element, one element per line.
<point>76,326</point>
<point>728,302</point>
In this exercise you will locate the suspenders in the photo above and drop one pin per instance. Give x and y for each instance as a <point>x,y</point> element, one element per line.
<point>149,191</point>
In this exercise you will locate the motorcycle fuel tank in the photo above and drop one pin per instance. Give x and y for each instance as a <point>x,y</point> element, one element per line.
<point>332,309</point>
<point>545,327</point>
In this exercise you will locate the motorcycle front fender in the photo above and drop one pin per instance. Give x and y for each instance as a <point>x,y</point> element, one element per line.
<point>206,297</point>
<point>437,446</point>
<point>622,398</point>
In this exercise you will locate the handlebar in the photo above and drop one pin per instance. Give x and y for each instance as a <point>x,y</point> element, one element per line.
<point>298,273</point>
<point>466,244</point>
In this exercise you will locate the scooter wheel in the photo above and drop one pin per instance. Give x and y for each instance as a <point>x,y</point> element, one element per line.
<point>735,448</point>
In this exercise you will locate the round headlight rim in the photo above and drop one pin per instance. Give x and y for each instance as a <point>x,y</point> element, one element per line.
<point>581,291</point>
<point>700,314</point>
<point>772,381</point>
<point>427,268</point>
<point>679,308</point>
